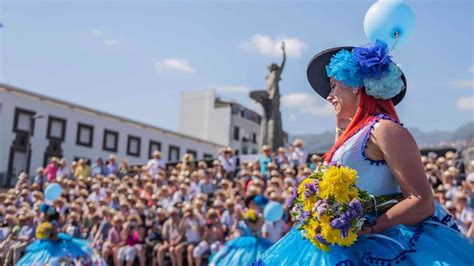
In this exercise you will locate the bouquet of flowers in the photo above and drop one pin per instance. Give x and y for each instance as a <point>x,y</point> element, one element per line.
<point>331,209</point>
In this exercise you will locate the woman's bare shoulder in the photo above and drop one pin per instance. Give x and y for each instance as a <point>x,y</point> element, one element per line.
<point>389,133</point>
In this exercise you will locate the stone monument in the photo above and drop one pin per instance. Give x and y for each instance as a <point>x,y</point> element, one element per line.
<point>271,129</point>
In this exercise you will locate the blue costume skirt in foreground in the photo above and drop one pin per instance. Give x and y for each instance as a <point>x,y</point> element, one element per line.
<point>240,251</point>
<point>65,251</point>
<point>435,241</point>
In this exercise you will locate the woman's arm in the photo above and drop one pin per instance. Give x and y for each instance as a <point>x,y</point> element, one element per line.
<point>401,153</point>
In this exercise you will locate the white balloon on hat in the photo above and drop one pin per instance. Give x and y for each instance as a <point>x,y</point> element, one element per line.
<point>391,21</point>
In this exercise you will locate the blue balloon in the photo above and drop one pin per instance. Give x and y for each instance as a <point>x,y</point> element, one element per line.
<point>389,20</point>
<point>273,211</point>
<point>52,192</point>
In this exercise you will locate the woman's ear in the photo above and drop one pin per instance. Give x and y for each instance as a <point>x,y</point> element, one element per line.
<point>357,90</point>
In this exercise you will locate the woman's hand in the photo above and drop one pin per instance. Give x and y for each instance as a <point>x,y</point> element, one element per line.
<point>365,230</point>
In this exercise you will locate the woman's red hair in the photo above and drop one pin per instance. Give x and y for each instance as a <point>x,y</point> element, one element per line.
<point>368,108</point>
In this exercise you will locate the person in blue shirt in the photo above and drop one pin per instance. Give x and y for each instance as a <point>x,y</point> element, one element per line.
<point>265,159</point>
<point>111,168</point>
<point>98,167</point>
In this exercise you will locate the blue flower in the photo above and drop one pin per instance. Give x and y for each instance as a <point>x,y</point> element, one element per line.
<point>386,87</point>
<point>356,210</point>
<point>344,67</point>
<point>320,238</point>
<point>293,196</point>
<point>311,189</point>
<point>373,60</point>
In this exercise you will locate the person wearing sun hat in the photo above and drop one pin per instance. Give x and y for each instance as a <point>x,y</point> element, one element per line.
<point>363,84</point>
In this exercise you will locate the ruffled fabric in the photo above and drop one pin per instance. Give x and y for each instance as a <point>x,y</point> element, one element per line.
<point>435,241</point>
<point>345,68</point>
<point>241,251</point>
<point>386,87</point>
<point>65,251</point>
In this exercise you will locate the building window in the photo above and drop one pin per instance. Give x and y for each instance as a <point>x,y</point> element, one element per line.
<point>133,145</point>
<point>193,153</point>
<point>254,137</point>
<point>254,151</point>
<point>173,154</point>
<point>154,146</point>
<point>22,120</point>
<point>236,133</point>
<point>207,156</point>
<point>110,140</point>
<point>56,128</point>
<point>85,135</point>
<point>245,150</point>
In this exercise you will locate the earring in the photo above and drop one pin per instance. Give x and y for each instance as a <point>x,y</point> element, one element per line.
<point>354,91</point>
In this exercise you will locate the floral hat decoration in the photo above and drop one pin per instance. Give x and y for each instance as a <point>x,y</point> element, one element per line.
<point>370,67</point>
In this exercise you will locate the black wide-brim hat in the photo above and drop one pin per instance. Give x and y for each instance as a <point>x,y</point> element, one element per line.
<point>319,80</point>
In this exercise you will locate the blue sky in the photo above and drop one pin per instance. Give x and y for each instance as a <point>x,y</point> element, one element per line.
<point>133,58</point>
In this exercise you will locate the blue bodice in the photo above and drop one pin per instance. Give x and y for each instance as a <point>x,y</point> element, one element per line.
<point>375,176</point>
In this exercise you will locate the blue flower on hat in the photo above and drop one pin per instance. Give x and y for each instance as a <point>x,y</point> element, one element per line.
<point>386,87</point>
<point>374,60</point>
<point>344,67</point>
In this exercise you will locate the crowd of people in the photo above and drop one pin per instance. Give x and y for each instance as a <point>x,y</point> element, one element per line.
<point>156,214</point>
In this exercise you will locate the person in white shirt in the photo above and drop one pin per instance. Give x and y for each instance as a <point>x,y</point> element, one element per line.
<point>182,194</point>
<point>165,200</point>
<point>299,152</point>
<point>464,214</point>
<point>64,171</point>
<point>228,162</point>
<point>155,164</point>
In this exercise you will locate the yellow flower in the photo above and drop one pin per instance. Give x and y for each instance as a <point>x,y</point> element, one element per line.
<point>311,227</point>
<point>250,215</point>
<point>301,187</point>
<point>338,182</point>
<point>307,203</point>
<point>43,231</point>
<point>334,236</point>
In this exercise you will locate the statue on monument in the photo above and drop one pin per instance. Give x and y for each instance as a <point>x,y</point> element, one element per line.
<point>271,129</point>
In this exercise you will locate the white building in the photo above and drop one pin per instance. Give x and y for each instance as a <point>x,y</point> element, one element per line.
<point>71,131</point>
<point>204,115</point>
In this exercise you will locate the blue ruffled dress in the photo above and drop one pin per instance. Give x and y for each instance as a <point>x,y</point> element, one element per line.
<point>434,241</point>
<point>64,251</point>
<point>241,251</point>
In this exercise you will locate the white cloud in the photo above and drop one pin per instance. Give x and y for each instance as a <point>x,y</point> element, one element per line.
<point>471,69</point>
<point>306,103</point>
<point>465,103</point>
<point>463,83</point>
<point>111,43</point>
<point>296,100</point>
<point>265,45</point>
<point>325,110</point>
<point>226,89</point>
<point>96,32</point>
<point>177,64</point>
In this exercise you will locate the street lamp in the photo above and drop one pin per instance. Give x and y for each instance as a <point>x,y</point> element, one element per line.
<point>30,132</point>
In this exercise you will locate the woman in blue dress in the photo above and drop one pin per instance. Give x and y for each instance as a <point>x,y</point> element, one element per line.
<point>246,248</point>
<point>53,248</point>
<point>363,85</point>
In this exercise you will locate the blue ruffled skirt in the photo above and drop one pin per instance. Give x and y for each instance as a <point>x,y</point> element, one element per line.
<point>65,251</point>
<point>435,241</point>
<point>240,251</point>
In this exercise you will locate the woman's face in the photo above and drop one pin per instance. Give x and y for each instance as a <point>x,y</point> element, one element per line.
<point>343,99</point>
